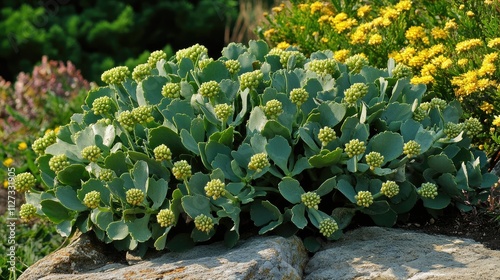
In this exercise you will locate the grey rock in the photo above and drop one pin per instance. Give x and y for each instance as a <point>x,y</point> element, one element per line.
<point>381,253</point>
<point>256,258</point>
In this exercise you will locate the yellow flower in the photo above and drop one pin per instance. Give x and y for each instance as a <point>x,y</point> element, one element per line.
<point>339,18</point>
<point>462,61</point>
<point>315,34</point>
<point>324,40</point>
<point>496,121</point>
<point>8,162</point>
<point>415,33</point>
<point>344,25</point>
<point>422,80</point>
<point>451,24</point>
<point>375,39</point>
<point>269,32</point>
<point>461,7</point>
<point>428,70</point>
<point>364,10</point>
<point>277,9</point>
<point>404,5</point>
<point>390,13</point>
<point>358,37</point>
<point>495,42</point>
<point>5,184</point>
<point>470,13</point>
<point>468,44</point>
<point>303,7</point>
<point>439,33</point>
<point>486,107</point>
<point>488,2</point>
<point>283,45</point>
<point>22,146</point>
<point>341,55</point>
<point>316,6</point>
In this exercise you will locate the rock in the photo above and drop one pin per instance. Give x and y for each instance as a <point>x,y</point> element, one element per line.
<point>257,258</point>
<point>381,253</point>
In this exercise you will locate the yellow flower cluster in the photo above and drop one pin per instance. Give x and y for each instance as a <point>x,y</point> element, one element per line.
<point>468,45</point>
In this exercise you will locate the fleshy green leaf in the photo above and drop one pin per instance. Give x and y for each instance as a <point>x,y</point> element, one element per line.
<point>298,215</point>
<point>279,151</point>
<point>291,190</point>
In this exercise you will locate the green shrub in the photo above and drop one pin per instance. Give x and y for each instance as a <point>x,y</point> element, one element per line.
<point>171,166</point>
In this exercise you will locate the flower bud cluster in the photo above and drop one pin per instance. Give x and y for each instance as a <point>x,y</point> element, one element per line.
<point>209,89</point>
<point>273,109</point>
<point>419,114</point>
<point>233,66</point>
<point>27,211</point>
<point>356,63</point>
<point>428,190</point>
<point>223,111</point>
<point>364,198</point>
<point>411,148</point>
<point>165,217</point>
<point>452,130</point>
<point>258,162</point>
<point>389,189</point>
<point>251,80</point>
<point>355,92</point>
<point>23,182</point>
<point>285,56</point>
<point>203,223</point>
<point>58,163</point>
<point>438,103</point>
<point>374,159</point>
<point>323,66</point>
<point>141,71</point>
<point>154,57</point>
<point>134,196</point>
<point>204,62</point>
<point>215,188</point>
<point>472,126</point>
<point>326,135</point>
<point>327,227</point>
<point>192,53</point>
<point>92,199</point>
<point>126,119</point>
<point>401,71</point>
<point>116,75</point>
<point>41,144</point>
<point>171,90</point>
<point>299,96</point>
<point>143,114</point>
<point>162,152</point>
<point>91,153</point>
<point>355,147</point>
<point>181,170</point>
<point>102,105</point>
<point>310,199</point>
<point>104,121</point>
<point>106,175</point>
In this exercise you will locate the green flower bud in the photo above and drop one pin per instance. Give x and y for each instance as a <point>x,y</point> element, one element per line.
<point>127,120</point>
<point>356,63</point>
<point>23,182</point>
<point>364,198</point>
<point>104,121</point>
<point>411,149</point>
<point>426,106</point>
<point>310,199</point>
<point>27,211</point>
<point>355,147</point>
<point>438,103</point>
<point>299,96</point>
<point>323,67</point>
<point>473,126</point>
<point>223,111</point>
<point>154,57</point>
<point>251,80</point>
<point>355,93</point>
<point>134,196</point>
<point>181,170</point>
<point>141,71</point>
<point>143,114</point>
<point>389,189</point>
<point>452,130</point>
<point>204,62</point>
<point>116,75</point>
<point>419,114</point>
<point>374,159</point>
<point>165,218</point>
<point>102,105</point>
<point>215,188</point>
<point>106,175</point>
<point>285,56</point>
<point>233,66</point>
<point>58,163</point>
<point>92,199</point>
<point>41,144</point>
<point>258,162</point>
<point>327,227</point>
<point>192,53</point>
<point>428,190</point>
<point>204,223</point>
<point>162,152</point>
<point>209,89</point>
<point>171,90</point>
<point>401,71</point>
<point>326,135</point>
<point>91,153</point>
<point>273,109</point>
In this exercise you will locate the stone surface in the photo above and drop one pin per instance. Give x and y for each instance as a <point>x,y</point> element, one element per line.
<point>380,253</point>
<point>256,258</point>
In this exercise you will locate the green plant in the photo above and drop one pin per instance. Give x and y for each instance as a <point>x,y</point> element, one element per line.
<point>178,171</point>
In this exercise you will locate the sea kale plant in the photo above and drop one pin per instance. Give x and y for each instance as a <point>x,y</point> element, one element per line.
<point>193,148</point>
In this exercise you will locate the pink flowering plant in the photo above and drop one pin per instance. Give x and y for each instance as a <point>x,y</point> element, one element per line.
<point>191,148</point>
